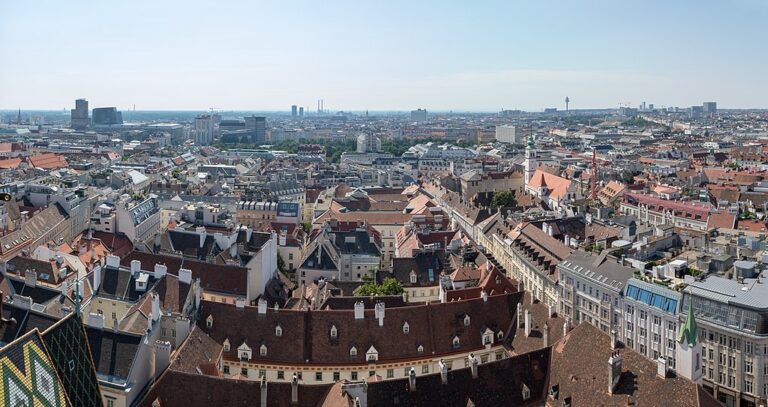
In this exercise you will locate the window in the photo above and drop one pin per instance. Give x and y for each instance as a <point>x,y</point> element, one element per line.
<point>262,373</point>
<point>280,375</point>
<point>484,359</point>
<point>499,355</point>
<point>353,352</point>
<point>424,369</point>
<point>406,328</point>
<point>371,373</point>
<point>263,350</point>
<point>455,343</point>
<point>290,256</point>
<point>336,376</point>
<point>466,320</point>
<point>226,369</point>
<point>209,321</point>
<point>390,373</point>
<point>499,335</point>
<point>244,372</point>
<point>278,331</point>
<point>413,278</point>
<point>110,403</point>
<point>420,350</point>
<point>353,375</point>
<point>334,332</point>
<point>318,376</point>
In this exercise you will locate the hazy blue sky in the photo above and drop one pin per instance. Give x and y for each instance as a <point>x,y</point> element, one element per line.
<point>441,55</point>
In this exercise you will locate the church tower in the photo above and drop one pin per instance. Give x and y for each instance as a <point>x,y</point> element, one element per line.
<point>530,160</point>
<point>688,355</point>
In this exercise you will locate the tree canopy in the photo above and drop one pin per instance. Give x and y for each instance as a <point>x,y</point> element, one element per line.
<point>504,199</point>
<point>389,286</point>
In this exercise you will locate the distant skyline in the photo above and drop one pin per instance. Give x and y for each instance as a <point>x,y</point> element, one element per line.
<point>394,55</point>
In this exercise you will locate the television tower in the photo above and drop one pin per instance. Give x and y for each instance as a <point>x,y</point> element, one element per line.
<point>567,100</point>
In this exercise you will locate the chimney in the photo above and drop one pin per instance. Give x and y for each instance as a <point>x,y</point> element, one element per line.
<point>473,364</point>
<point>160,271</point>
<point>294,389</point>
<point>527,323</point>
<point>263,392</point>
<point>614,371</point>
<point>379,311</point>
<point>96,320</point>
<point>185,276</point>
<point>545,334</point>
<point>30,279</point>
<point>443,371</point>
<point>661,367</point>
<point>359,310</point>
<point>155,306</point>
<point>96,278</point>
<point>113,261</point>
<point>135,267</point>
<point>614,339</point>
<point>262,306</point>
<point>412,379</point>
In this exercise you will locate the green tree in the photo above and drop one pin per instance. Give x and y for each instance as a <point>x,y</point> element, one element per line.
<point>389,286</point>
<point>504,199</point>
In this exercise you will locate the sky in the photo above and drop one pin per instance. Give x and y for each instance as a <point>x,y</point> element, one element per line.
<point>382,55</point>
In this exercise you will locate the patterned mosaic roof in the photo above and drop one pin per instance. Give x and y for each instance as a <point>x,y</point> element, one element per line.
<point>28,376</point>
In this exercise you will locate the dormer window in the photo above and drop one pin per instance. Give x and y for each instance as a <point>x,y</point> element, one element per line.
<point>420,349</point>
<point>263,350</point>
<point>466,320</point>
<point>499,335</point>
<point>526,392</point>
<point>334,332</point>
<point>372,355</point>
<point>487,337</point>
<point>406,328</point>
<point>278,331</point>
<point>413,277</point>
<point>209,321</point>
<point>353,351</point>
<point>455,342</point>
<point>226,345</point>
<point>244,352</point>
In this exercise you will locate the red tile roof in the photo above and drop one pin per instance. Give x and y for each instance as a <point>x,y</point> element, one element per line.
<point>48,161</point>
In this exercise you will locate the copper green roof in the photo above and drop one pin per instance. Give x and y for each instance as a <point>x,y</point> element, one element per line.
<point>689,332</point>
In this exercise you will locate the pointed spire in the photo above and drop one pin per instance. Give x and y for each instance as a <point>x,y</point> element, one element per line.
<point>77,298</point>
<point>689,332</point>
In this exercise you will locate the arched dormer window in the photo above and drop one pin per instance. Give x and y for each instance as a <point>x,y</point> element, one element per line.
<point>353,351</point>
<point>420,349</point>
<point>278,331</point>
<point>499,335</point>
<point>466,320</point>
<point>406,328</point>
<point>263,350</point>
<point>244,352</point>
<point>413,277</point>
<point>455,343</point>
<point>209,321</point>
<point>226,345</point>
<point>334,332</point>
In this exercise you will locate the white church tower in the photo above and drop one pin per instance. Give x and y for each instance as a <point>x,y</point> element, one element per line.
<point>688,355</point>
<point>530,160</point>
